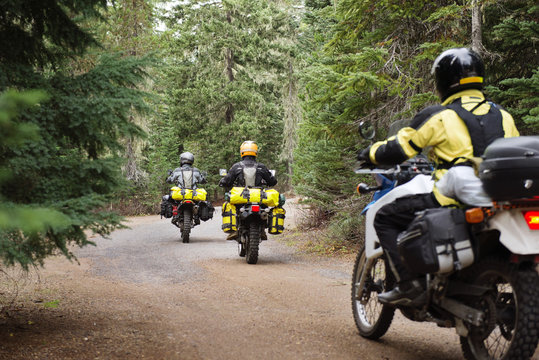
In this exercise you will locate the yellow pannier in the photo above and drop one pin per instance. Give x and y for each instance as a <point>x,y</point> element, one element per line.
<point>276,221</point>
<point>181,194</point>
<point>271,198</point>
<point>229,217</point>
<point>200,195</point>
<point>240,195</point>
<point>188,194</point>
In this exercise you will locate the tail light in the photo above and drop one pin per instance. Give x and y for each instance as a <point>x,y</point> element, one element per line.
<point>475,215</point>
<point>532,219</point>
<point>188,202</point>
<point>174,210</point>
<point>255,208</point>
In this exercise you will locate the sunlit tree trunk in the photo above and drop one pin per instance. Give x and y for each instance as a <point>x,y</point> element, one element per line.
<point>477,41</point>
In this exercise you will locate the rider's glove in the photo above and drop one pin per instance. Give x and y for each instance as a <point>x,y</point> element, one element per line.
<point>364,157</point>
<point>222,182</point>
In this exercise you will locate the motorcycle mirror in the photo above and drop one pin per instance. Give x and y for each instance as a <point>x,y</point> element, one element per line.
<point>366,130</point>
<point>222,172</point>
<point>273,172</point>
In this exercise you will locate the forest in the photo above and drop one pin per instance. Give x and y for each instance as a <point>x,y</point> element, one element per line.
<point>98,98</point>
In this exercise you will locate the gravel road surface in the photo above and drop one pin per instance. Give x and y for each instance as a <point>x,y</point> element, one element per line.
<point>145,294</point>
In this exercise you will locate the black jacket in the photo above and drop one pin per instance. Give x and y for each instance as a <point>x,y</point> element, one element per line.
<point>235,174</point>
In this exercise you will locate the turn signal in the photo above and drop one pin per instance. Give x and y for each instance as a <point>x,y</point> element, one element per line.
<point>474,216</point>
<point>362,188</point>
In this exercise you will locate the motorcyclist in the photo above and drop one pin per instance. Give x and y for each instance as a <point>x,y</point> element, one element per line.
<point>186,176</point>
<point>248,172</point>
<point>457,131</point>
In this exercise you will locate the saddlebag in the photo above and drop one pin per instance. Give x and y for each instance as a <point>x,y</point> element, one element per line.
<point>205,210</point>
<point>276,221</point>
<point>166,208</point>
<point>229,217</point>
<point>437,241</point>
<point>244,195</point>
<point>178,193</point>
<point>510,168</point>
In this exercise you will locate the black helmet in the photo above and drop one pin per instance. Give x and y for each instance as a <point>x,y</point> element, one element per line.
<point>187,158</point>
<point>456,70</point>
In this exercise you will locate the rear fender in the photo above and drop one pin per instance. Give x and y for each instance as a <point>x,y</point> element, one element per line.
<point>515,234</point>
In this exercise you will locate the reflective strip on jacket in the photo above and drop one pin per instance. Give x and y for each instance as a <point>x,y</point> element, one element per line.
<point>441,130</point>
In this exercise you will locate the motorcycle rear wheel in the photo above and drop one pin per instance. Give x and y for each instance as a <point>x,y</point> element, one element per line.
<point>252,243</point>
<point>372,318</point>
<point>513,329</point>
<point>186,228</point>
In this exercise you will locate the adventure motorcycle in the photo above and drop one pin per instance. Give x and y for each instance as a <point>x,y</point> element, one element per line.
<point>484,282</point>
<point>249,211</point>
<point>186,207</point>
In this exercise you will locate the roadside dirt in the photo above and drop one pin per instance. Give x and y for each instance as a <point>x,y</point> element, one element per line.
<point>145,295</point>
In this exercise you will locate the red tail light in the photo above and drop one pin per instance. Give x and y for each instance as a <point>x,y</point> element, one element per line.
<point>188,202</point>
<point>532,219</point>
<point>255,208</point>
<point>174,210</point>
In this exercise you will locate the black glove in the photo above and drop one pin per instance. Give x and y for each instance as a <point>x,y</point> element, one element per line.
<point>363,156</point>
<point>222,182</point>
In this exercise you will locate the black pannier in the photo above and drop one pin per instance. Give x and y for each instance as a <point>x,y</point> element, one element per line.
<point>205,210</point>
<point>437,241</point>
<point>510,168</point>
<point>166,209</point>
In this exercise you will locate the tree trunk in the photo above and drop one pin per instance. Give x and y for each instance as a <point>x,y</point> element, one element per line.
<point>229,63</point>
<point>477,41</point>
<point>291,120</point>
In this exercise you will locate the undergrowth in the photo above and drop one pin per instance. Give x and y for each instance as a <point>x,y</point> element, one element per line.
<point>338,230</point>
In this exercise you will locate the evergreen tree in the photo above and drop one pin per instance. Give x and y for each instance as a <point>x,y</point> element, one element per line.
<point>73,165</point>
<point>229,63</point>
<point>511,36</point>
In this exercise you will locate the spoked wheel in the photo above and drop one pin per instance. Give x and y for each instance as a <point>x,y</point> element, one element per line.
<point>372,318</point>
<point>511,326</point>
<point>186,228</point>
<point>252,243</point>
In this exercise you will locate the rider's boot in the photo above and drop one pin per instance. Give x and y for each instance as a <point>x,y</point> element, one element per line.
<point>263,235</point>
<point>403,294</point>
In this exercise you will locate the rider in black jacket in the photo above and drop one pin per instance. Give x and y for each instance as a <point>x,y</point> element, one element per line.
<point>248,172</point>
<point>237,176</point>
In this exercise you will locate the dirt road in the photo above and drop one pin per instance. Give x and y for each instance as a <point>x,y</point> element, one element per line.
<point>146,295</point>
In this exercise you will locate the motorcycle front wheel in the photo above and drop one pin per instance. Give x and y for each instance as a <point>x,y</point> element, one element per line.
<point>186,228</point>
<point>511,326</point>
<point>372,318</point>
<point>252,243</point>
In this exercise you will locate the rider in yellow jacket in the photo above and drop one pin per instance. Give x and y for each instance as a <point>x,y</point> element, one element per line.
<point>453,133</point>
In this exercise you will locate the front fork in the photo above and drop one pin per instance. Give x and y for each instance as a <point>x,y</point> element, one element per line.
<point>364,265</point>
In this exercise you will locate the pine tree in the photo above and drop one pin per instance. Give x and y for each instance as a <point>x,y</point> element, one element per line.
<point>71,168</point>
<point>511,35</point>
<point>228,68</point>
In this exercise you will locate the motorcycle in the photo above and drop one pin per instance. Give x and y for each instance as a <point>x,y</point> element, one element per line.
<point>186,207</point>
<point>491,299</point>
<point>251,210</point>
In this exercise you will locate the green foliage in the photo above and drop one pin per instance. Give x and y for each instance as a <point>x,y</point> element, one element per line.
<point>511,34</point>
<point>68,158</point>
<point>228,66</point>
<point>371,62</point>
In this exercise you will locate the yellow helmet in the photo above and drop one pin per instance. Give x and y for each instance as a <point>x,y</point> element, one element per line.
<point>248,148</point>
